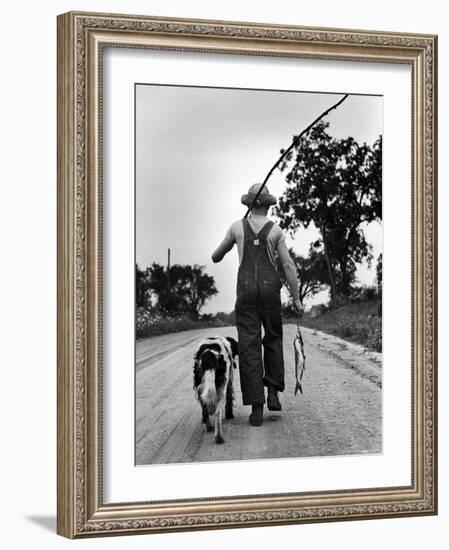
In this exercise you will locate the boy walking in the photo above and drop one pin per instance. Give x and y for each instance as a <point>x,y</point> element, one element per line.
<point>258,301</point>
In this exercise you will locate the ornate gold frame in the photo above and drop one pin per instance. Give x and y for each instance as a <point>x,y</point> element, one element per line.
<point>81,37</point>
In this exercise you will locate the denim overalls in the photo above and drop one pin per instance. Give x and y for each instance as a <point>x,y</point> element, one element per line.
<point>258,302</point>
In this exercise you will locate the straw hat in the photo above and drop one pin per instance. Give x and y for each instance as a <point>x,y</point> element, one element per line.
<point>264,199</point>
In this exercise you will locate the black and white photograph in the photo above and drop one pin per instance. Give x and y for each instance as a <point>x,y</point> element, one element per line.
<point>258,274</point>
<point>222,310</point>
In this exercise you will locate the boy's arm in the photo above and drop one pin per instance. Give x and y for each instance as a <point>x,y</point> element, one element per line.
<point>290,273</point>
<point>224,247</point>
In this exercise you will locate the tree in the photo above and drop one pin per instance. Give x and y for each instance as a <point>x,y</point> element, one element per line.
<point>311,272</point>
<point>143,291</point>
<point>163,290</point>
<point>379,273</point>
<point>199,288</point>
<point>184,289</point>
<point>335,184</point>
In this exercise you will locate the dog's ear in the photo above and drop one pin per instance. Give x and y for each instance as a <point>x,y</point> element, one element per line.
<point>234,346</point>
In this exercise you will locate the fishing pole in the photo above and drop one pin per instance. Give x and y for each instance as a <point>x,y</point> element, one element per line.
<point>285,153</point>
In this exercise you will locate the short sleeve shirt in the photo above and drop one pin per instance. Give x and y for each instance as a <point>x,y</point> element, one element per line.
<point>235,235</point>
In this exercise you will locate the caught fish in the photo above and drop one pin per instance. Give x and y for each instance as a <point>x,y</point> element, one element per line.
<point>300,359</point>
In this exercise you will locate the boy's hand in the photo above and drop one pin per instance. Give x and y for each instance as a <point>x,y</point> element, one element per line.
<point>299,307</point>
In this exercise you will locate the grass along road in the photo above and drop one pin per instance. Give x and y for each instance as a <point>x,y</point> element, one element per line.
<point>340,412</point>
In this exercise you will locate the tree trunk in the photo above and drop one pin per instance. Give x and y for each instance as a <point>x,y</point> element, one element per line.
<point>345,282</point>
<point>329,266</point>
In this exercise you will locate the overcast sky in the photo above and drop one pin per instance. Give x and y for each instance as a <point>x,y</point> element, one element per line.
<point>199,149</point>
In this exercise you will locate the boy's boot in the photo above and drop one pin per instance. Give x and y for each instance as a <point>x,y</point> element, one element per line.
<point>256,416</point>
<point>273,400</point>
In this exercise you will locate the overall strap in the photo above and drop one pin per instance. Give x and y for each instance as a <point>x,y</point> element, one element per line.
<point>263,233</point>
<point>248,233</point>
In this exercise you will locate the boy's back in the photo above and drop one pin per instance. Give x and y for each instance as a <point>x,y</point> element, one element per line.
<point>235,235</point>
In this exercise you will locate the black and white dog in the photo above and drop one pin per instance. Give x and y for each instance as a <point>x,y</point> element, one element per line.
<point>214,360</point>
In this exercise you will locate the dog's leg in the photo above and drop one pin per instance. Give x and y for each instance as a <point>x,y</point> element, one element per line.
<point>229,399</point>
<point>219,426</point>
<point>206,418</point>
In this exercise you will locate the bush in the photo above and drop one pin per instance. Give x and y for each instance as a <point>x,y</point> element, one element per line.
<point>225,318</point>
<point>374,340</point>
<point>288,311</point>
<point>356,322</point>
<point>150,322</point>
<point>364,294</point>
<point>369,293</point>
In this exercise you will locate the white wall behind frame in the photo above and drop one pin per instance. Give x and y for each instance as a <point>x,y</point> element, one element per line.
<point>27,289</point>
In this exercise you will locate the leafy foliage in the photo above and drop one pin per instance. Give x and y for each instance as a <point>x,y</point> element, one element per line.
<point>379,272</point>
<point>311,272</point>
<point>336,185</point>
<point>181,290</point>
<point>357,322</point>
<point>149,322</point>
<point>143,292</point>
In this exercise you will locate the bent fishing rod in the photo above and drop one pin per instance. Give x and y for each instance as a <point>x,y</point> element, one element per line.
<point>285,153</point>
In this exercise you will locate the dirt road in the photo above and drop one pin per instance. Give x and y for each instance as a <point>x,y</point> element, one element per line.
<point>340,412</point>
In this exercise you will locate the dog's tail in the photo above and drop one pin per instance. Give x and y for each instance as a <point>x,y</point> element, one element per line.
<point>209,390</point>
